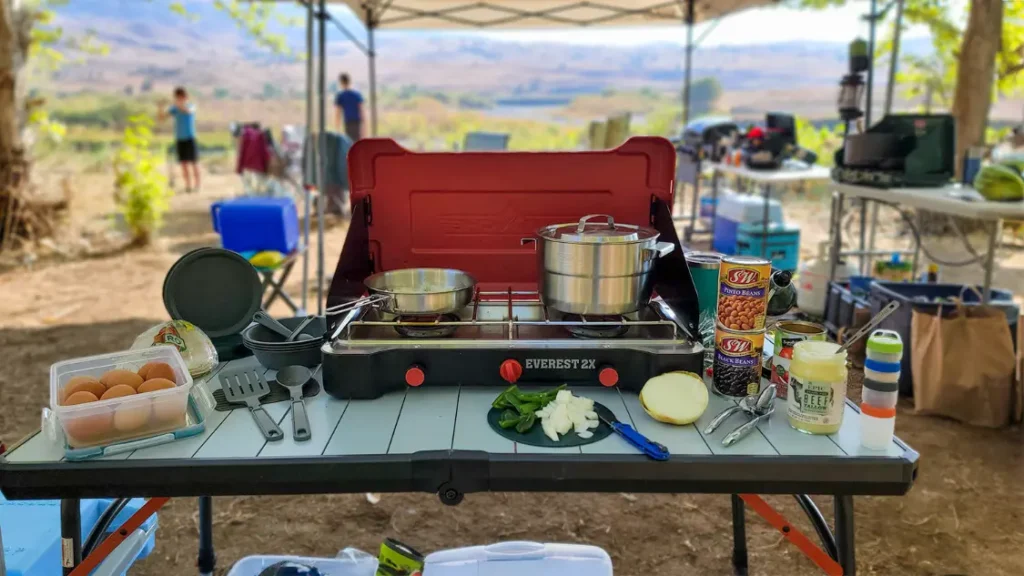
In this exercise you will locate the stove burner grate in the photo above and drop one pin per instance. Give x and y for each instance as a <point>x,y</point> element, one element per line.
<point>425,327</point>
<point>586,328</point>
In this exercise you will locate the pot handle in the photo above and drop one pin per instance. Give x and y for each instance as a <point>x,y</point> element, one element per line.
<point>525,241</point>
<point>583,221</point>
<point>661,249</point>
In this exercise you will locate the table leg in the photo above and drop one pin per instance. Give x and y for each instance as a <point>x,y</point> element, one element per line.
<point>844,534</point>
<point>714,205</point>
<point>863,236</point>
<point>739,537</point>
<point>70,534</point>
<point>990,260</point>
<point>837,236</point>
<point>207,559</point>
<point>764,223</point>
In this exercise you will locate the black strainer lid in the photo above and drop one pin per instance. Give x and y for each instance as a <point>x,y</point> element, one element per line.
<point>215,289</point>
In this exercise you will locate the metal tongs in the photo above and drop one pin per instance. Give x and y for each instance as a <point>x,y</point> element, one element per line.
<point>758,408</point>
<point>358,303</point>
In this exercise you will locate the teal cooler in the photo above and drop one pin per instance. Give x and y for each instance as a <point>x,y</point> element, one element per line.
<point>783,244</point>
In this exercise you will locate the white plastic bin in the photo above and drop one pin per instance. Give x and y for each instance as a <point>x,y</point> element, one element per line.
<point>98,423</point>
<point>518,559</point>
<point>350,562</point>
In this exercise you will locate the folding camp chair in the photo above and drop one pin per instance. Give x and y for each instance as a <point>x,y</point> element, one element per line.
<point>274,278</point>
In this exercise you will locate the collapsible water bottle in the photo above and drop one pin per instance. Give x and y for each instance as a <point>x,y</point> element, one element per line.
<point>881,389</point>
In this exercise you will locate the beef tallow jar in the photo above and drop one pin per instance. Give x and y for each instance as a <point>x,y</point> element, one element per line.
<point>598,267</point>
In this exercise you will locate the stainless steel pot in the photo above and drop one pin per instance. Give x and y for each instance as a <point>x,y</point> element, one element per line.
<point>598,268</point>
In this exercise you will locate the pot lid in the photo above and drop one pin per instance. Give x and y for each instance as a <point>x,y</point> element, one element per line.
<point>602,231</point>
<point>215,289</point>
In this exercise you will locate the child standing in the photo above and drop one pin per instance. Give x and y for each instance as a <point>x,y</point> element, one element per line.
<point>184,113</point>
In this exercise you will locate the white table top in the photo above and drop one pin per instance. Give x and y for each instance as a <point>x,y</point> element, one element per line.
<point>454,418</point>
<point>787,174</point>
<point>957,200</point>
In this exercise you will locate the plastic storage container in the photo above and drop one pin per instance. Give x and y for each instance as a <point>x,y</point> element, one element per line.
<point>877,426</point>
<point>348,563</point>
<point>519,558</point>
<point>31,532</point>
<point>255,224</point>
<point>885,346</point>
<point>886,372</point>
<point>880,397</point>
<point>910,294</point>
<point>735,210</point>
<point>783,244</point>
<point>117,419</point>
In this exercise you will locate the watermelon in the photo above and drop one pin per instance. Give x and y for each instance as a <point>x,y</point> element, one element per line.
<point>1000,183</point>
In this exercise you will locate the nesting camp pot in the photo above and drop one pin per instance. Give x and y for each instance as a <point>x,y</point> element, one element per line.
<point>597,266</point>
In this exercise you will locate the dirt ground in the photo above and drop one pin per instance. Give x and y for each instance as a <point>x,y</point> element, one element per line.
<point>964,515</point>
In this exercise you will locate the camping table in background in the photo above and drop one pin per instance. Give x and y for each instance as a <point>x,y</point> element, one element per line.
<point>275,287</point>
<point>787,174</point>
<point>960,201</point>
<point>437,440</point>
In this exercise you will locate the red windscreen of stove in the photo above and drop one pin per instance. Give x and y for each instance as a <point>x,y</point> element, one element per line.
<point>471,210</point>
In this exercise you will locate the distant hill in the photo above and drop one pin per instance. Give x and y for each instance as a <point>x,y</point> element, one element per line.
<point>152,47</point>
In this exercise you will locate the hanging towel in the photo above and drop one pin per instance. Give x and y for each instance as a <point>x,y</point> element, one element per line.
<point>254,152</point>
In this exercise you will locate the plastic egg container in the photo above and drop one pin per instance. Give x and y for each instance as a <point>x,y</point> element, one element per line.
<point>114,420</point>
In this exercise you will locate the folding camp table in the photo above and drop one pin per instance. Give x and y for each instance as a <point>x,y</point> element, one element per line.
<point>437,440</point>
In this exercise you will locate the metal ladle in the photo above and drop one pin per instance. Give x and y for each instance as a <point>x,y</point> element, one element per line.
<point>871,325</point>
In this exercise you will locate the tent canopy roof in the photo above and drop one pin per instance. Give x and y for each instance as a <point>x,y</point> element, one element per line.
<point>430,14</point>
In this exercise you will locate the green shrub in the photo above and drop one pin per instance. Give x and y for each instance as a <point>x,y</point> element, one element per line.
<point>142,190</point>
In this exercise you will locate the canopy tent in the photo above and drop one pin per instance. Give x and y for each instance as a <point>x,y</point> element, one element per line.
<point>484,14</point>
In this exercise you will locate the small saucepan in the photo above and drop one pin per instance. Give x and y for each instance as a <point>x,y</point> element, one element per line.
<point>415,292</point>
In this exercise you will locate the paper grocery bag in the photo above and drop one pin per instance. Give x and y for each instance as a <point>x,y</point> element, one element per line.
<point>964,365</point>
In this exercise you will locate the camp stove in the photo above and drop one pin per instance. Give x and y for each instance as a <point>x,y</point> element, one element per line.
<point>504,338</point>
<point>471,212</point>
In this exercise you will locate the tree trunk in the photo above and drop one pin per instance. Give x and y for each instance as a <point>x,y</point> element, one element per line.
<point>15,32</point>
<point>976,73</point>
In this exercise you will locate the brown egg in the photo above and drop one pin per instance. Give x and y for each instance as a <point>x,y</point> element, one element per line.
<point>121,378</point>
<point>157,370</point>
<point>80,397</point>
<point>168,410</point>
<point>84,384</point>
<point>154,384</point>
<point>83,430</point>
<point>118,391</point>
<point>130,418</point>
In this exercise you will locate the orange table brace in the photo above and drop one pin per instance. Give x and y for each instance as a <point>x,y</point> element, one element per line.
<point>116,538</point>
<point>756,503</point>
<point>815,554</point>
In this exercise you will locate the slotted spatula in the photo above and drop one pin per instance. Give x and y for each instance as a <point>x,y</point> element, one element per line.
<point>247,387</point>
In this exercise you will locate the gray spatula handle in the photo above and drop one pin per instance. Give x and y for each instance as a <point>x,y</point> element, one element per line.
<point>267,425</point>
<point>300,422</point>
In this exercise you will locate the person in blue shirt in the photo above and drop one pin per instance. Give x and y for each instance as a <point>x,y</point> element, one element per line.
<point>348,109</point>
<point>184,113</point>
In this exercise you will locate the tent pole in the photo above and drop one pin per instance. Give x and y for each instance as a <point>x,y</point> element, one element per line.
<point>689,63</point>
<point>871,64</point>
<point>371,55</point>
<point>309,149</point>
<point>321,157</point>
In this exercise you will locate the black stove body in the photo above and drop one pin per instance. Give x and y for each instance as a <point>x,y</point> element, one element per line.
<point>504,338</point>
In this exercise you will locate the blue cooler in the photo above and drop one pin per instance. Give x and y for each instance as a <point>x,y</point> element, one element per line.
<point>783,244</point>
<point>257,224</point>
<point>733,211</point>
<point>31,533</point>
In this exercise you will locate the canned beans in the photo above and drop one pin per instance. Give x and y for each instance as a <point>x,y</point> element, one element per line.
<point>743,292</point>
<point>737,364</point>
<point>739,312</point>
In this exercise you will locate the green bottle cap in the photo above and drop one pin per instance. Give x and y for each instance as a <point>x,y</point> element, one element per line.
<point>885,342</point>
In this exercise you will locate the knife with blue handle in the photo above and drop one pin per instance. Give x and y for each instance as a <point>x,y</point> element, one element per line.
<point>651,449</point>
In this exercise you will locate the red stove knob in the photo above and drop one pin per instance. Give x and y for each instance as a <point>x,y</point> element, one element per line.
<point>608,376</point>
<point>414,376</point>
<point>511,370</point>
